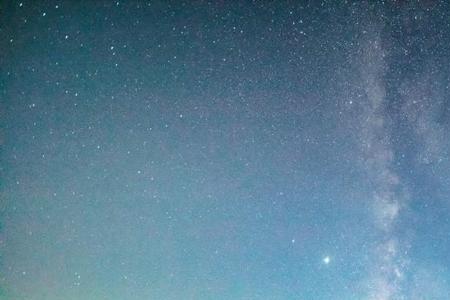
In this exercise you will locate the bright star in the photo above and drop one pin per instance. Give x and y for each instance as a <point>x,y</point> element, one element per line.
<point>326,260</point>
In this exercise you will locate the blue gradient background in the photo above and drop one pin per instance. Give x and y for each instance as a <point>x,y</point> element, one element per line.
<point>213,150</point>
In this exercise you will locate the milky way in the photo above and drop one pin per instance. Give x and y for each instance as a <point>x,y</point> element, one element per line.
<point>225,150</point>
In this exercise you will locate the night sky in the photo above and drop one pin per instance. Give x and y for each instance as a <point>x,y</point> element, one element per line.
<point>225,150</point>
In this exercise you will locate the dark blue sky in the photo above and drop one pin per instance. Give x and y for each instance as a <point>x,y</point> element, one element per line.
<point>225,150</point>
